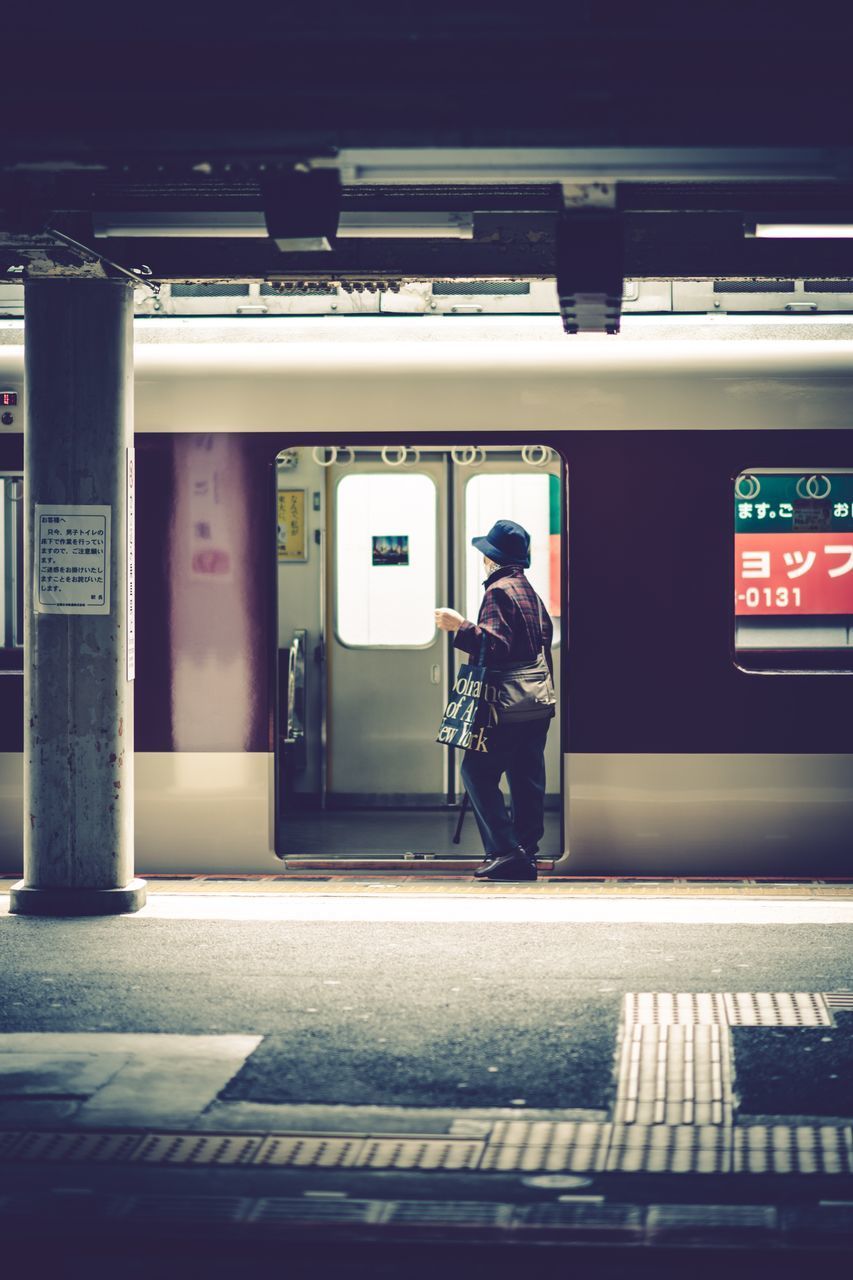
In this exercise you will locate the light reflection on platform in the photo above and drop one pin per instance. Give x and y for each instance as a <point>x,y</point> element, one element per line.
<point>484,906</point>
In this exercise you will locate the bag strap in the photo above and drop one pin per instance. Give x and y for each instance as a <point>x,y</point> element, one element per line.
<point>481,659</point>
<point>541,627</point>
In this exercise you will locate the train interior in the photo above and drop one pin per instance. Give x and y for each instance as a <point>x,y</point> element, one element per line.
<point>369,541</point>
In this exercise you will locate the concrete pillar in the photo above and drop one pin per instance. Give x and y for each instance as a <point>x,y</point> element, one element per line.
<point>78,700</point>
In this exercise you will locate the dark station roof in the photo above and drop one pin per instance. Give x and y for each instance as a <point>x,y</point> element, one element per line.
<point>697,117</point>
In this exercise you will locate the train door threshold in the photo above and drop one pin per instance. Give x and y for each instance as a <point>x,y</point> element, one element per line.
<point>406,864</point>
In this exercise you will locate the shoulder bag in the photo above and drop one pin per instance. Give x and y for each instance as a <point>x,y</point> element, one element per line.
<point>527,692</point>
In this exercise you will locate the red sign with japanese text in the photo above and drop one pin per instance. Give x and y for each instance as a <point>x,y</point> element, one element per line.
<point>793,573</point>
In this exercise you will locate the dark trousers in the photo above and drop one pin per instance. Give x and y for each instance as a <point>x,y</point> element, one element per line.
<point>519,752</point>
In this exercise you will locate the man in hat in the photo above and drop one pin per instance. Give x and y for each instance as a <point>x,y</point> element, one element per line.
<point>515,626</point>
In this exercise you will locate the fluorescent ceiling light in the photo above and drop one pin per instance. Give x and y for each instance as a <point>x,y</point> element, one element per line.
<point>437,165</point>
<point>802,230</point>
<point>431,226</point>
<point>253,225</point>
<point>180,224</point>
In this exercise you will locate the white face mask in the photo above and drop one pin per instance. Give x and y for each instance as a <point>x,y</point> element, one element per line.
<point>489,565</point>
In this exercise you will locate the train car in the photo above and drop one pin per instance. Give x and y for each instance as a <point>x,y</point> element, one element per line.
<point>307,490</point>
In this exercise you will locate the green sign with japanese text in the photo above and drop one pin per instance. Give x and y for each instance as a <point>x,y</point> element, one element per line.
<point>794,502</point>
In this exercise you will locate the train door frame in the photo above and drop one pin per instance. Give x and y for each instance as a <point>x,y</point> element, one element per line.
<point>454,518</point>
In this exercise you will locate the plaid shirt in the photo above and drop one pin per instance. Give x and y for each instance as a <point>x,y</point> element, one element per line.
<point>509,621</point>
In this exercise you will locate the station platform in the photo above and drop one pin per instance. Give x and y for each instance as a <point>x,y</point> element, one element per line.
<point>673,1117</point>
<point>435,877</point>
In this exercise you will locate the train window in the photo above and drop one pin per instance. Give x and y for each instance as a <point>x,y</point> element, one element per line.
<point>385,560</point>
<point>11,562</point>
<point>794,569</point>
<point>533,500</point>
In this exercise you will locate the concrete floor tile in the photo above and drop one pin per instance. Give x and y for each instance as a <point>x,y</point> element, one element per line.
<point>170,1088</point>
<point>50,1073</point>
<point>123,1079</point>
<point>36,1113</point>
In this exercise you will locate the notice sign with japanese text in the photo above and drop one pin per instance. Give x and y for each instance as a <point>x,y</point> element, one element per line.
<point>793,573</point>
<point>72,559</point>
<point>292,544</point>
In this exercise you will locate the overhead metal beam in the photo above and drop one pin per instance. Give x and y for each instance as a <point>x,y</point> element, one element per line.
<point>148,193</point>
<point>402,165</point>
<point>657,246</point>
<point>262,159</point>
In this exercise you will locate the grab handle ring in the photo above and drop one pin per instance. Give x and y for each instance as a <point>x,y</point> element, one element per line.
<point>402,454</point>
<point>530,450</point>
<point>325,462</point>
<point>470,455</point>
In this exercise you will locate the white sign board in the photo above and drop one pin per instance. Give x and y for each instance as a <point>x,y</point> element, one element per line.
<point>72,554</point>
<point>131,564</point>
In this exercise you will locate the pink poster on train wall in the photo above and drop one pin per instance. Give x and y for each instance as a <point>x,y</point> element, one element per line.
<point>209,543</point>
<point>793,573</point>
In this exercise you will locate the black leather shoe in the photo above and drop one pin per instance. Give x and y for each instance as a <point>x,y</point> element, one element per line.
<point>508,866</point>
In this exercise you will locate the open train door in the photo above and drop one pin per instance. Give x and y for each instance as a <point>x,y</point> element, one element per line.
<point>370,540</point>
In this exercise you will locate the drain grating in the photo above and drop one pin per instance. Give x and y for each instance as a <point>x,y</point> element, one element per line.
<point>669,1149</point>
<point>272,1211</point>
<point>310,1152</point>
<point>792,1149</point>
<point>450,1213</point>
<point>704,1224</point>
<point>554,1147</point>
<point>195,1149</point>
<point>423,1153</point>
<point>777,1009</point>
<point>237,1219</point>
<point>674,1074</point>
<point>659,1008</point>
<point>596,1222</point>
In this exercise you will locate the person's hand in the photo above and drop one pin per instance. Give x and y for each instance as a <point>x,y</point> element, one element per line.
<point>448,619</point>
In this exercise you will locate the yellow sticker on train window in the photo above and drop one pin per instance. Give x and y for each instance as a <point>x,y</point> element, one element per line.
<point>291,532</point>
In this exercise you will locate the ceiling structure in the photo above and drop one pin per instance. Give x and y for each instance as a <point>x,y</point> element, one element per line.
<point>415,142</point>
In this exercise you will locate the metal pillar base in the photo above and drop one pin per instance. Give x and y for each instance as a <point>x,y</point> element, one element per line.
<point>28,901</point>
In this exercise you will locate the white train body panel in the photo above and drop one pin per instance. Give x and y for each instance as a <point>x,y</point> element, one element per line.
<point>716,792</point>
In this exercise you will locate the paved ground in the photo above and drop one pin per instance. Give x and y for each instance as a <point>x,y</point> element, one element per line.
<point>506,1028</point>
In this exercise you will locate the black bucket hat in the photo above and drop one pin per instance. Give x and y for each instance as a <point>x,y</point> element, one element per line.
<point>505,543</point>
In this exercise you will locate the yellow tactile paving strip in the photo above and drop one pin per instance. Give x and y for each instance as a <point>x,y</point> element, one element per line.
<point>431,884</point>
<point>516,1146</point>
